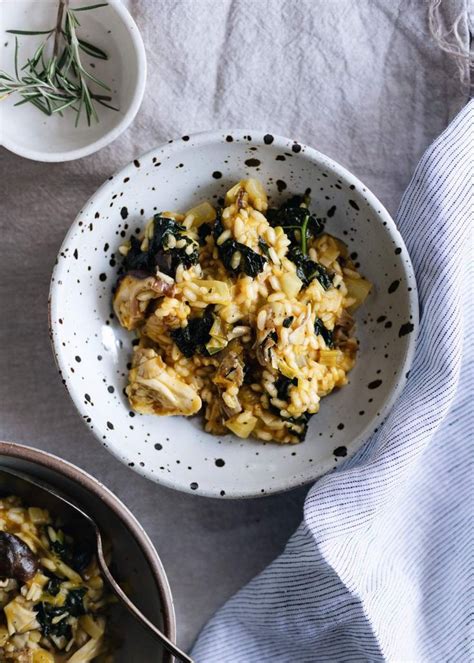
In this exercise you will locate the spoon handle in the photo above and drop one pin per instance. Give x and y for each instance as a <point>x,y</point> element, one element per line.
<point>132,608</point>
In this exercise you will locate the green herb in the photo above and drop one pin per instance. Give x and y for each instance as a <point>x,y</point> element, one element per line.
<point>162,252</point>
<point>195,335</point>
<point>55,82</point>
<point>297,221</point>
<point>321,329</point>
<point>307,269</point>
<point>250,263</point>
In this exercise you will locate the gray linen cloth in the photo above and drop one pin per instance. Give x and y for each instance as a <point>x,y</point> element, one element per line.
<point>359,80</point>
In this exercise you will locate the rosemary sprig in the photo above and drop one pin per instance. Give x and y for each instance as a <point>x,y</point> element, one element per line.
<point>59,81</point>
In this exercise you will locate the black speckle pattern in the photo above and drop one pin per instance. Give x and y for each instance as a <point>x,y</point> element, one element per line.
<point>340,452</point>
<point>393,286</point>
<point>88,268</point>
<point>252,163</point>
<point>405,329</point>
<point>375,384</point>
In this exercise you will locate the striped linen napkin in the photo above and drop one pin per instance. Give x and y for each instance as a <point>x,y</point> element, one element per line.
<point>379,568</point>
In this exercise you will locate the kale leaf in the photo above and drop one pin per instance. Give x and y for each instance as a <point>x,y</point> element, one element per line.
<point>251,263</point>
<point>77,557</point>
<point>53,586</point>
<point>287,321</point>
<point>73,606</point>
<point>195,335</point>
<point>321,329</point>
<point>307,269</point>
<point>45,613</point>
<point>75,602</point>
<point>301,421</point>
<point>204,230</point>
<point>282,386</point>
<point>296,220</point>
<point>162,252</point>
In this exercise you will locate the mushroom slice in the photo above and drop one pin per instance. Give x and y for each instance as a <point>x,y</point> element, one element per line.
<point>155,388</point>
<point>133,295</point>
<point>229,374</point>
<point>343,331</point>
<point>17,560</point>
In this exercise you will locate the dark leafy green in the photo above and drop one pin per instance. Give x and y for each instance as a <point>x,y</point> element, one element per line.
<point>321,329</point>
<point>77,557</point>
<point>45,613</point>
<point>204,230</point>
<point>263,246</point>
<point>300,422</point>
<point>75,602</point>
<point>307,269</point>
<point>251,263</point>
<point>53,586</point>
<point>296,220</point>
<point>159,254</point>
<point>195,335</point>
<point>282,386</point>
<point>73,606</point>
<point>287,321</point>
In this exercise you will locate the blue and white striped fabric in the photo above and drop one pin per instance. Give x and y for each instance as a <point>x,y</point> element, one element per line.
<point>381,567</point>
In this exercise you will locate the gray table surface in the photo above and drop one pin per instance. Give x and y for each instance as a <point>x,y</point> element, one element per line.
<point>372,99</point>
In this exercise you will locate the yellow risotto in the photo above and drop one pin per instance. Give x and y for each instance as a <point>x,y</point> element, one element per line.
<point>243,313</point>
<point>52,598</point>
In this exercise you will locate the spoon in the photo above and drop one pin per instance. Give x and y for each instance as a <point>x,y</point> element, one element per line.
<point>38,492</point>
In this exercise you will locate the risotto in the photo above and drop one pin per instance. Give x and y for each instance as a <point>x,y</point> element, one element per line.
<point>52,599</point>
<point>243,313</point>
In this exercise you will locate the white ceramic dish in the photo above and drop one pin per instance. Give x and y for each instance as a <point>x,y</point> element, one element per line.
<point>92,350</point>
<point>28,132</point>
<point>133,553</point>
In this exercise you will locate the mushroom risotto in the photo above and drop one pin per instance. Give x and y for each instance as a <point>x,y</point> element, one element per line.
<point>52,598</point>
<point>242,312</point>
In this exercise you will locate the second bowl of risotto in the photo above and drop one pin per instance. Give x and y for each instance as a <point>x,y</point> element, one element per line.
<point>233,314</point>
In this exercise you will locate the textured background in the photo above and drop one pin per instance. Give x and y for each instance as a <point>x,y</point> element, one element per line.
<point>359,80</point>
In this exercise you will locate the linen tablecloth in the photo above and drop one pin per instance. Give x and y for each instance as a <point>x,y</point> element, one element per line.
<point>360,80</point>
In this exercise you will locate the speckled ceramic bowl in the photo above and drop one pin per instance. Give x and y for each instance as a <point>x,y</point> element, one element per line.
<point>92,350</point>
<point>133,553</point>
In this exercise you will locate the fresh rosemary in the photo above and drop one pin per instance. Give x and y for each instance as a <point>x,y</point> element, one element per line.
<point>59,81</point>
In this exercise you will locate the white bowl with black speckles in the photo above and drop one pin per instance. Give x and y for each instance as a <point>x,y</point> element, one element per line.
<point>33,135</point>
<point>92,350</point>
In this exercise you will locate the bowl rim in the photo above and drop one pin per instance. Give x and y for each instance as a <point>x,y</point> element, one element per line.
<point>93,485</point>
<point>250,137</point>
<point>127,119</point>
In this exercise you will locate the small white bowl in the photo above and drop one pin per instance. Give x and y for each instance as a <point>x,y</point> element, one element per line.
<point>93,351</point>
<point>31,134</point>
